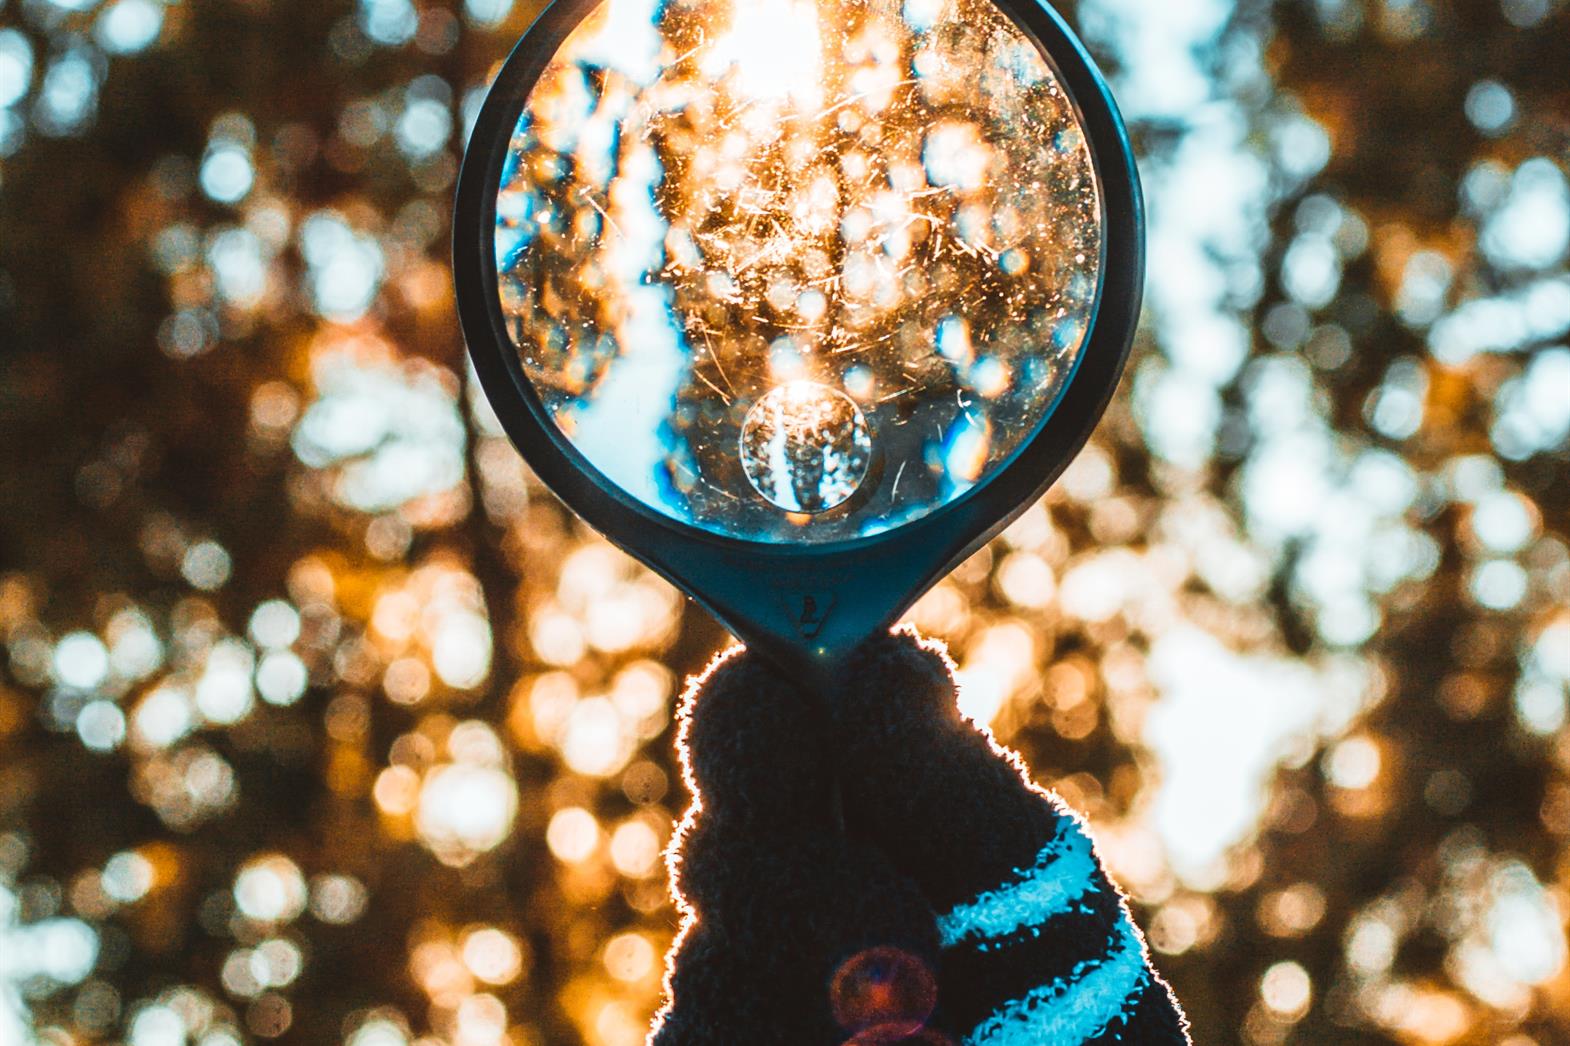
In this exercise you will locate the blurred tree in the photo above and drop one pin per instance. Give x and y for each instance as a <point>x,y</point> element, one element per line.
<point>320,721</point>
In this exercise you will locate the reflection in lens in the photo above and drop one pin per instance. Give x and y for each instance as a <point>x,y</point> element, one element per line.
<point>746,248</point>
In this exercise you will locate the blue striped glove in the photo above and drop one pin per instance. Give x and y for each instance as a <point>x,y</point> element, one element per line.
<point>879,871</point>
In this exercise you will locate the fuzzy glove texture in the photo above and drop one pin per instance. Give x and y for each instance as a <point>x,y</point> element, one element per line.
<point>876,869</point>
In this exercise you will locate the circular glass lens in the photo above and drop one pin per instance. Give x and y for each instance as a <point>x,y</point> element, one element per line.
<point>798,270</point>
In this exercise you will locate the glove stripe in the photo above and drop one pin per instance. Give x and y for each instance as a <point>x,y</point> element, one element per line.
<point>1072,1009</point>
<point>1063,873</point>
<point>978,978</point>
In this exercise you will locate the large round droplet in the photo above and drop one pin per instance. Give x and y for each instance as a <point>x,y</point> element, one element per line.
<point>707,201</point>
<point>805,447</point>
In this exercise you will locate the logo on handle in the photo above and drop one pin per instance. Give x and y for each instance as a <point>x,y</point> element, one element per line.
<point>807,601</point>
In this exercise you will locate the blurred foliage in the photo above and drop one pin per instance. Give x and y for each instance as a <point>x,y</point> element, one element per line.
<point>321,721</point>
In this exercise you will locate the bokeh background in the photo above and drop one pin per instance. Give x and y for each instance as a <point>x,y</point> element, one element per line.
<point>322,722</point>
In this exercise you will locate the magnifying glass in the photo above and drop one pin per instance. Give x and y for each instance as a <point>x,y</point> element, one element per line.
<point>799,301</point>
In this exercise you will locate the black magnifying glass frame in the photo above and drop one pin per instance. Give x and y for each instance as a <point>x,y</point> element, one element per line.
<point>805,606</point>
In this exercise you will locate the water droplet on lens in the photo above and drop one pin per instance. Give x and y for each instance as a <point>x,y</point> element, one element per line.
<point>805,447</point>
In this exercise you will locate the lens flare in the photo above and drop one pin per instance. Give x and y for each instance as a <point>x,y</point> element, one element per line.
<point>883,995</point>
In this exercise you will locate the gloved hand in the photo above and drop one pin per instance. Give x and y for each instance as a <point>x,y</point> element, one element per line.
<point>874,869</point>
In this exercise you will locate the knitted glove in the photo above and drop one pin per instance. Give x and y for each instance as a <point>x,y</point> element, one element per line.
<point>954,903</point>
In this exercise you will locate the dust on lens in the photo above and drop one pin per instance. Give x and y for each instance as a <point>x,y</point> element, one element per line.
<point>706,202</point>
